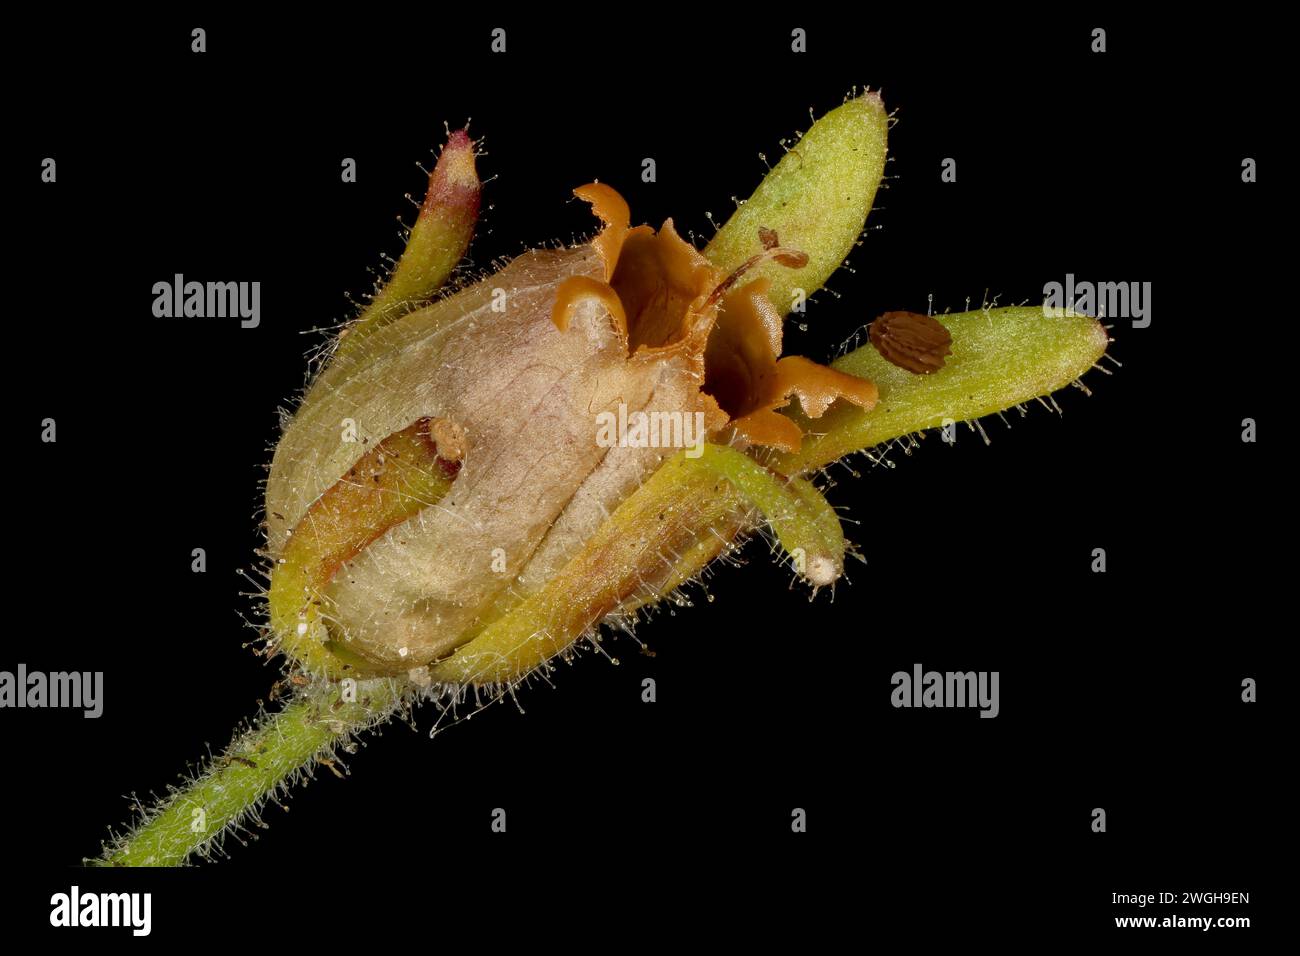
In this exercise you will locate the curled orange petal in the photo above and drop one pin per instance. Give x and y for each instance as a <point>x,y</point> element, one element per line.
<point>743,372</point>
<point>817,386</point>
<point>667,301</point>
<point>575,290</point>
<point>767,427</point>
<point>611,209</point>
<point>664,283</point>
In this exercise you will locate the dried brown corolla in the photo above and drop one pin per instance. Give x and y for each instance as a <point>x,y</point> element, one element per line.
<point>455,463</point>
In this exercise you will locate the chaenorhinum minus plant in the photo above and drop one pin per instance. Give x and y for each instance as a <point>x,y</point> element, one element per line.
<point>447,517</point>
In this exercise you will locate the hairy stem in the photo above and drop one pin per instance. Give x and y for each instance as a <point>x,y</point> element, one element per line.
<point>256,765</point>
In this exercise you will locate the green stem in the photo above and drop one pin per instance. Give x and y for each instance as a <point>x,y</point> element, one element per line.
<point>266,758</point>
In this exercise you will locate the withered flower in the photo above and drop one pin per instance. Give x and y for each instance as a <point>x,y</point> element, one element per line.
<point>445,512</point>
<point>411,541</point>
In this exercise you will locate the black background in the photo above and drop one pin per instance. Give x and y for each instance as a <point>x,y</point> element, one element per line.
<point>1118,690</point>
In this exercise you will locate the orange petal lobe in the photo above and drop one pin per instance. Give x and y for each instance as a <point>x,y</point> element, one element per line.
<point>611,209</point>
<point>743,373</point>
<point>575,290</point>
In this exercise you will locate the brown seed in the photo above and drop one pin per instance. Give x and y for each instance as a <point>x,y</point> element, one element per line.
<point>917,343</point>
